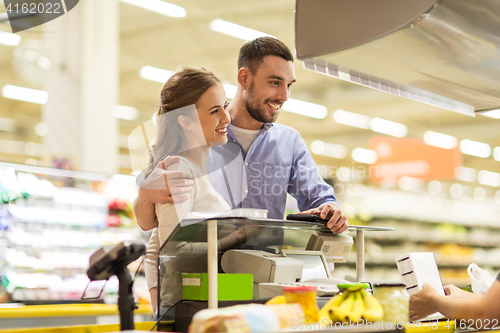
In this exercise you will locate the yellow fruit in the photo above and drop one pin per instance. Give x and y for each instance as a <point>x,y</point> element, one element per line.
<point>277,300</point>
<point>324,313</point>
<point>340,313</point>
<point>373,309</point>
<point>358,308</point>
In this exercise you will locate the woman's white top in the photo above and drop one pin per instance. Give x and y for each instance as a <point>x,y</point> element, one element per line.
<point>202,198</point>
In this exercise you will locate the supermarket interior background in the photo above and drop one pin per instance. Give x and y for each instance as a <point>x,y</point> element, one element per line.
<point>98,71</point>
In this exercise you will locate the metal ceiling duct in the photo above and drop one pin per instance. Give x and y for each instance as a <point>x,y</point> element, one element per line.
<point>445,53</point>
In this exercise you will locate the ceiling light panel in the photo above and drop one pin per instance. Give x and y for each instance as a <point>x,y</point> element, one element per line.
<point>328,149</point>
<point>440,140</point>
<point>352,119</point>
<point>7,124</point>
<point>305,108</point>
<point>362,155</point>
<point>388,127</point>
<point>158,6</point>
<point>475,148</point>
<point>489,178</point>
<point>495,114</point>
<point>125,112</point>
<point>466,174</point>
<point>496,153</point>
<point>155,74</point>
<point>9,39</point>
<point>25,94</point>
<point>236,30</point>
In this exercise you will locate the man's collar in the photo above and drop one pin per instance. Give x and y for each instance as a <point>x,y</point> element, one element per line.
<point>265,127</point>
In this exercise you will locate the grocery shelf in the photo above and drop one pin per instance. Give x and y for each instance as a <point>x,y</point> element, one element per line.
<point>426,239</point>
<point>441,264</point>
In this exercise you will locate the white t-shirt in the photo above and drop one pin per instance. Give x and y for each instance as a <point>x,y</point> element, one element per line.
<point>245,137</point>
<point>202,198</point>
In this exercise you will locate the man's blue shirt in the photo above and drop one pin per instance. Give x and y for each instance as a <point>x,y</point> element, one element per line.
<point>278,162</point>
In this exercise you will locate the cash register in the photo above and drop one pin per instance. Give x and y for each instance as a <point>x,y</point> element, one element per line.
<point>310,266</point>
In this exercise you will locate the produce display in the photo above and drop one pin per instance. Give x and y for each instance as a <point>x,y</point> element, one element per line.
<point>296,308</point>
<point>354,304</point>
<point>395,302</point>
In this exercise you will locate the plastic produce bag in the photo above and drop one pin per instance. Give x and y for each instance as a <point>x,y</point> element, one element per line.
<point>481,279</point>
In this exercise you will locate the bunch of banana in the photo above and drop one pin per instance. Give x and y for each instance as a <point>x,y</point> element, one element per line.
<point>353,305</point>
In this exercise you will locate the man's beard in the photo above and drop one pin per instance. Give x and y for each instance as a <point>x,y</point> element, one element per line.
<point>258,112</point>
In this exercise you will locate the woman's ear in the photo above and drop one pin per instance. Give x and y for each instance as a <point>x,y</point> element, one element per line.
<point>244,77</point>
<point>184,121</point>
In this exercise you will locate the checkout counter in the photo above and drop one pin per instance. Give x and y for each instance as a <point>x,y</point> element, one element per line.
<point>273,253</point>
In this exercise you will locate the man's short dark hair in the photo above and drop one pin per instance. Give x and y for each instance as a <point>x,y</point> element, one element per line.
<point>252,53</point>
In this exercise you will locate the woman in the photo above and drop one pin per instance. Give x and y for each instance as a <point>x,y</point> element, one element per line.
<point>192,117</point>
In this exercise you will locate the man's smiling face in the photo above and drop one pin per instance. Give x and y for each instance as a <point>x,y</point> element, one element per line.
<point>269,88</point>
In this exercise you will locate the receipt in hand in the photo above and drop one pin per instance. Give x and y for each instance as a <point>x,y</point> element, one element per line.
<point>417,268</point>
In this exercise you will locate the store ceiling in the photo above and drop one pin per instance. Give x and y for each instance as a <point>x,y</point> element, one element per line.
<point>148,38</point>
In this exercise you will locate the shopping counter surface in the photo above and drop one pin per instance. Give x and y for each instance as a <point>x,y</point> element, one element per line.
<point>40,316</point>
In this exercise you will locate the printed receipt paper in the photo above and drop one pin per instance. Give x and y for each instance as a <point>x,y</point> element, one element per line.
<point>418,268</point>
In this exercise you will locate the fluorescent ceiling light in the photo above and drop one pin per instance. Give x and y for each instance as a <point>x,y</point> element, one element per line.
<point>236,30</point>
<point>155,74</point>
<point>466,174</point>
<point>125,112</point>
<point>158,6</point>
<point>489,178</point>
<point>352,119</point>
<point>388,127</point>
<point>305,108</point>
<point>475,148</point>
<point>492,114</point>
<point>25,94</point>
<point>362,155</point>
<point>328,149</point>
<point>7,124</point>
<point>230,90</point>
<point>496,153</point>
<point>9,39</point>
<point>440,140</point>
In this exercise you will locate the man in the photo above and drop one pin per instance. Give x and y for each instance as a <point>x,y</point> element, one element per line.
<point>276,160</point>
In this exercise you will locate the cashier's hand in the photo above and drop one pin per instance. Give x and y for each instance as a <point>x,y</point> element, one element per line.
<point>337,221</point>
<point>164,186</point>
<point>423,302</point>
